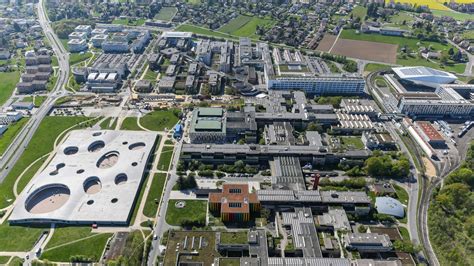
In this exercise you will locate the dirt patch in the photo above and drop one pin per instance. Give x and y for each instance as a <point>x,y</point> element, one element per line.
<point>373,51</point>
<point>326,43</point>
<point>430,169</point>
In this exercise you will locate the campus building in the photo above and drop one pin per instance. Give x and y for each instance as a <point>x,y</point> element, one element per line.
<point>208,125</point>
<point>322,85</point>
<point>235,203</point>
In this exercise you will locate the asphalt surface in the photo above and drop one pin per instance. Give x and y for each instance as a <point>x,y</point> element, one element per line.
<point>19,144</point>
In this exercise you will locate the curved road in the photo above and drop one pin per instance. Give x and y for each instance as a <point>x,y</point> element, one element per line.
<point>19,144</point>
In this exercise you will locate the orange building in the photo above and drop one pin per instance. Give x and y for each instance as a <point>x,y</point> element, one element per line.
<point>234,203</point>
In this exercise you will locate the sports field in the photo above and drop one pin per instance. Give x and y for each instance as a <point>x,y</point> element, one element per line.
<point>245,26</point>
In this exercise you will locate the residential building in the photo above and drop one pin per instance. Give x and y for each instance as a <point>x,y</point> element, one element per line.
<point>77,45</point>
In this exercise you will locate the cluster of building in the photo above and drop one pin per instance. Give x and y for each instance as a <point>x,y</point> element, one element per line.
<point>37,72</point>
<point>111,38</point>
<point>426,92</point>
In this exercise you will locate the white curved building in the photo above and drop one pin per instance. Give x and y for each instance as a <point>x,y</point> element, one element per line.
<point>94,177</point>
<point>424,76</point>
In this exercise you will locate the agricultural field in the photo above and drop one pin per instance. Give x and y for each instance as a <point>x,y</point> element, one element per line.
<point>375,51</point>
<point>166,13</point>
<point>244,26</point>
<point>451,13</point>
<point>432,4</point>
<point>204,31</point>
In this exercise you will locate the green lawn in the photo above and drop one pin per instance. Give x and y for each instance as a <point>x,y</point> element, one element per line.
<point>150,75</point>
<point>129,22</point>
<point>41,143</point>
<point>371,67</point>
<point>359,11</point>
<point>157,185</point>
<point>194,210</point>
<point>159,120</point>
<point>203,31</point>
<point>24,237</point>
<point>63,235</point>
<point>76,58</point>
<point>401,17</point>
<point>51,82</point>
<point>166,13</point>
<point>245,26</point>
<point>90,248</point>
<point>10,134</point>
<point>402,194</point>
<point>234,237</point>
<point>457,68</point>
<point>106,123</point>
<point>64,43</point>
<point>16,261</point>
<point>168,142</point>
<point>404,232</point>
<point>39,100</point>
<point>140,198</point>
<point>469,34</point>
<point>8,84</point>
<point>4,259</point>
<point>455,15</point>
<point>352,142</point>
<point>165,158</point>
<point>130,123</point>
<point>229,262</point>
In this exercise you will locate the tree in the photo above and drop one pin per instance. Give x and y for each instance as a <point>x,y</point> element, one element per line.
<point>451,51</point>
<point>181,182</point>
<point>191,182</point>
<point>312,126</point>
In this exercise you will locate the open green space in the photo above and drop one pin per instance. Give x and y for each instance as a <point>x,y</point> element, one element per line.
<point>129,22</point>
<point>8,84</point>
<point>64,43</point>
<point>154,195</point>
<point>76,58</point>
<point>229,262</point>
<point>203,31</point>
<point>63,235</point>
<point>410,61</point>
<point>469,34</point>
<point>234,237</point>
<point>130,123</point>
<point>206,254</point>
<point>91,248</point>
<point>453,14</point>
<point>194,212</point>
<point>140,198</point>
<point>160,120</point>
<point>166,13</point>
<point>150,75</point>
<point>351,143</point>
<point>165,158</point>
<point>404,233</point>
<point>245,26</point>
<point>41,144</point>
<point>9,135</point>
<point>4,259</point>
<point>402,194</point>
<point>359,11</point>
<point>16,261</point>
<point>18,238</point>
<point>371,67</point>
<point>106,123</point>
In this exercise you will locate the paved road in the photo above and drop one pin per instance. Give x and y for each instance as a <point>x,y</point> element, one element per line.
<point>161,226</point>
<point>470,64</point>
<point>18,146</point>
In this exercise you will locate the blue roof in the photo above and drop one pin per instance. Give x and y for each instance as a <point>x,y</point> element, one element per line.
<point>178,127</point>
<point>390,206</point>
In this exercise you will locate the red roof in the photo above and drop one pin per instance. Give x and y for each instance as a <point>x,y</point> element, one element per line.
<point>430,131</point>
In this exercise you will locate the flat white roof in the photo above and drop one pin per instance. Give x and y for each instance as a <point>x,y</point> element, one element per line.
<point>177,34</point>
<point>93,177</point>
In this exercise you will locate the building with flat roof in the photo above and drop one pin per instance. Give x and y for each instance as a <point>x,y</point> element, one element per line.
<point>429,133</point>
<point>208,125</point>
<point>389,206</point>
<point>166,84</point>
<point>77,45</point>
<point>335,219</point>
<point>380,141</point>
<point>303,231</point>
<point>321,85</point>
<point>235,203</point>
<point>367,242</point>
<point>93,178</point>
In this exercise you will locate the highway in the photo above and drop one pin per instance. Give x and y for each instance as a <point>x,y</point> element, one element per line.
<point>19,144</point>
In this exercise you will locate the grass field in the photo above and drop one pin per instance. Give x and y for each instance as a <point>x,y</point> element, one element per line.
<point>351,143</point>
<point>129,22</point>
<point>165,158</point>
<point>166,13</point>
<point>458,68</point>
<point>453,14</point>
<point>234,237</point>
<point>150,75</point>
<point>76,58</point>
<point>468,34</point>
<point>63,235</point>
<point>371,67</point>
<point>24,237</point>
<point>194,210</point>
<point>41,143</point>
<point>359,11</point>
<point>130,123</point>
<point>155,191</point>
<point>90,248</point>
<point>402,194</point>
<point>244,26</point>
<point>203,31</point>
<point>8,84</point>
<point>105,124</point>
<point>159,120</point>
<point>4,259</point>
<point>10,134</point>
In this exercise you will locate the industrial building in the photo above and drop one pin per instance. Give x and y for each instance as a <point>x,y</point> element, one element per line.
<point>93,178</point>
